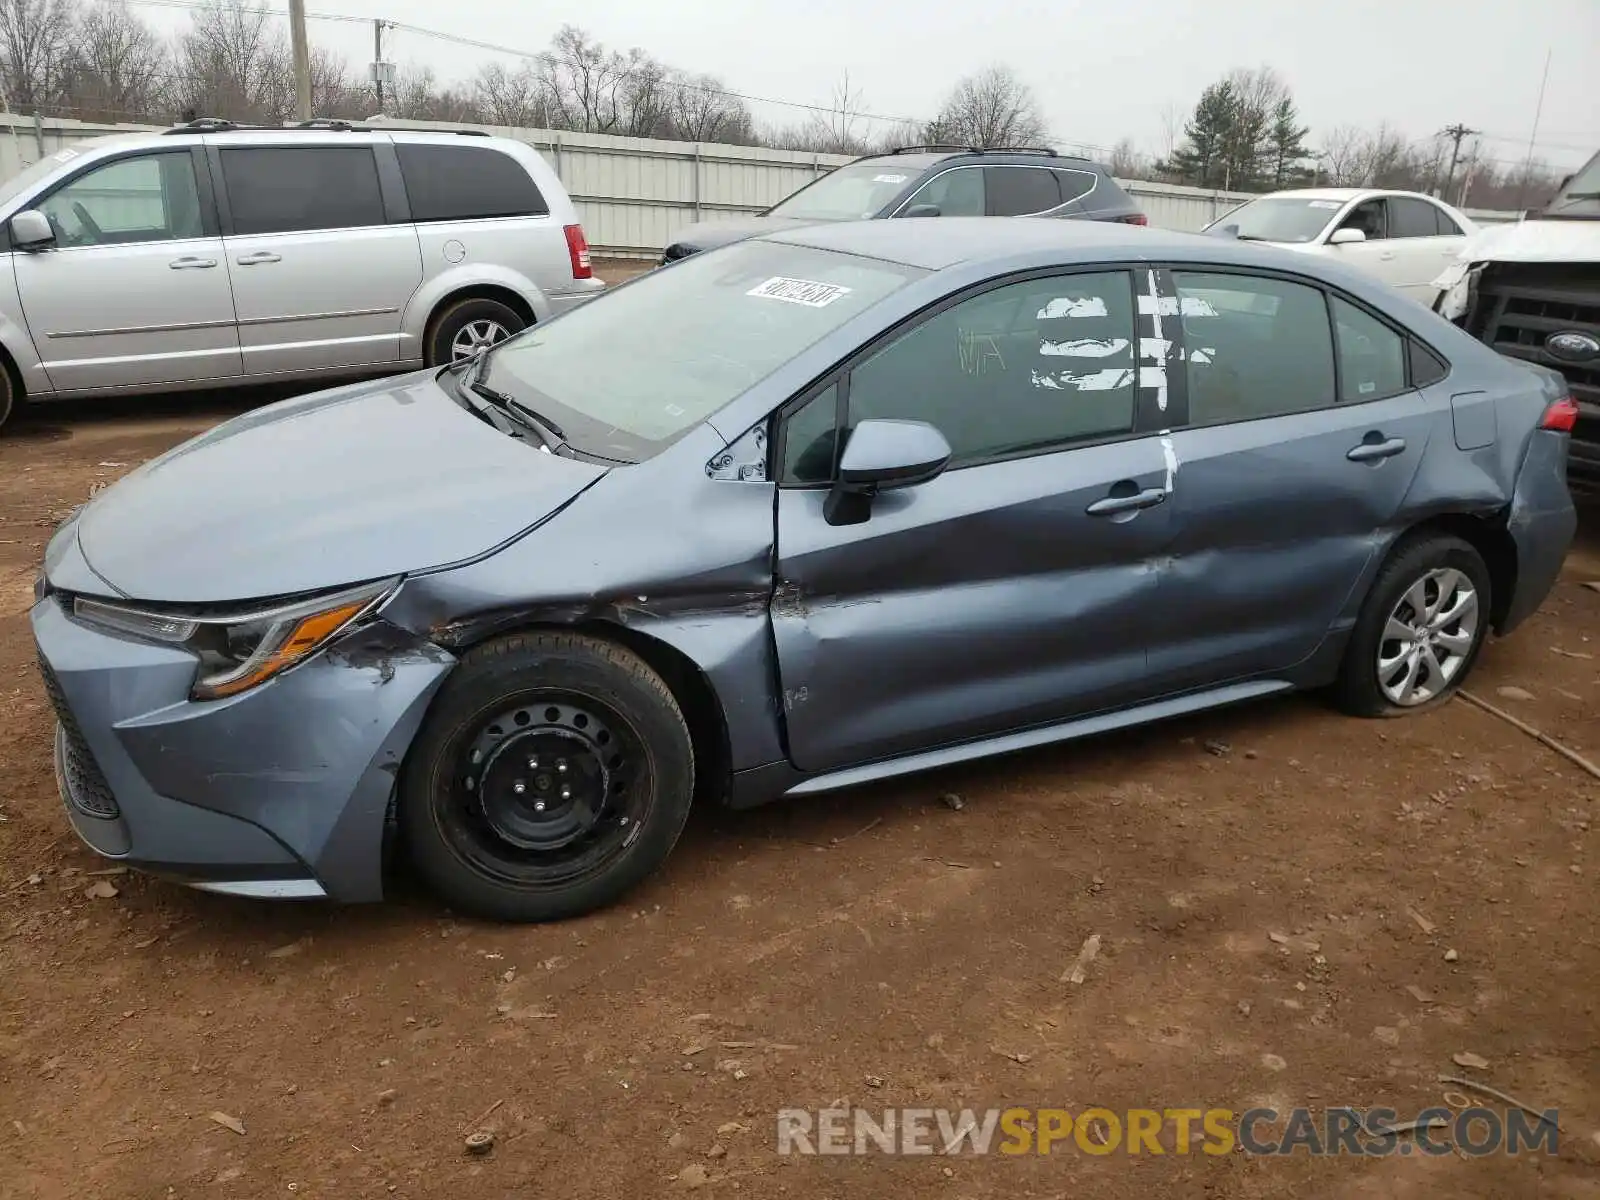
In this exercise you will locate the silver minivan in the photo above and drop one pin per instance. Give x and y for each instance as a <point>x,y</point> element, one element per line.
<point>211,254</point>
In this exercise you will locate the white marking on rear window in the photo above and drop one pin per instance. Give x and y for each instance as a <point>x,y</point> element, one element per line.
<point>1086,347</point>
<point>798,291</point>
<point>1095,381</point>
<point>1325,203</point>
<point>1073,306</point>
<point>888,179</point>
<point>1167,306</point>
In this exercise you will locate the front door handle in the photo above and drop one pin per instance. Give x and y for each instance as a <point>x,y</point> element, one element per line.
<point>192,264</point>
<point>1111,505</point>
<point>260,256</point>
<point>1374,448</point>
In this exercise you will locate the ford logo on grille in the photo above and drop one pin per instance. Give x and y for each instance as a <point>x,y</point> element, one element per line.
<point>1572,346</point>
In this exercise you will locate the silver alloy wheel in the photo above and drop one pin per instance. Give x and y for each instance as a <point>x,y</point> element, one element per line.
<point>475,336</point>
<point>1427,637</point>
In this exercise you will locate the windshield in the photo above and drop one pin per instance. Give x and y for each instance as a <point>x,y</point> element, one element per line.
<point>852,193</point>
<point>1280,218</point>
<point>629,372</point>
<point>1581,195</point>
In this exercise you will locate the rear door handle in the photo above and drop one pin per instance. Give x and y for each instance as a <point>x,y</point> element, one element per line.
<point>1111,505</point>
<point>1372,451</point>
<point>260,256</point>
<point>192,264</point>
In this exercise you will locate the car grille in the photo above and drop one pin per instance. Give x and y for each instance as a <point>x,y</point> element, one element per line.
<point>84,782</point>
<point>1519,305</point>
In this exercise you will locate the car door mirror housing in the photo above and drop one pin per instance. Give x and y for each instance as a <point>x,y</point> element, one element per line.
<point>923,210</point>
<point>1345,236</point>
<point>882,456</point>
<point>31,230</point>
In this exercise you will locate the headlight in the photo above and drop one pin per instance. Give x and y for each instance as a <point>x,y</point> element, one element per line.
<point>238,652</point>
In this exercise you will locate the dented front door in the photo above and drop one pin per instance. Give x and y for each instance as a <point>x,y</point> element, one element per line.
<point>1015,589</point>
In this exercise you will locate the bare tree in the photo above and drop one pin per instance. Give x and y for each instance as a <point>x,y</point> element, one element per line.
<point>1172,121</point>
<point>1126,161</point>
<point>120,66</point>
<point>701,110</point>
<point>36,51</point>
<point>235,62</point>
<point>992,108</point>
<point>515,98</point>
<point>584,81</point>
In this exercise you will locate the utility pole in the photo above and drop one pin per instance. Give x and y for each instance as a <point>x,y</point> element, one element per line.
<point>1455,133</point>
<point>377,60</point>
<point>302,58</point>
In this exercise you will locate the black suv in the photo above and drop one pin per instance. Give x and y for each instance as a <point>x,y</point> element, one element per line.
<point>934,181</point>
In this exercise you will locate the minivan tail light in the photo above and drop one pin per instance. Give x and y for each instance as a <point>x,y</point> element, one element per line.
<point>1561,416</point>
<point>1136,219</point>
<point>578,249</point>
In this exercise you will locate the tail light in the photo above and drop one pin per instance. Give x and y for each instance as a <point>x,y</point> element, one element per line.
<point>1561,416</point>
<point>578,249</point>
<point>1135,219</point>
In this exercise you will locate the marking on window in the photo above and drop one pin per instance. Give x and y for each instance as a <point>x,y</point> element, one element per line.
<point>1153,305</point>
<point>888,179</point>
<point>1326,203</point>
<point>977,351</point>
<point>1169,453</point>
<point>1153,310</point>
<point>1108,380</point>
<point>66,155</point>
<point>798,291</point>
<point>1073,306</point>
<point>1085,347</point>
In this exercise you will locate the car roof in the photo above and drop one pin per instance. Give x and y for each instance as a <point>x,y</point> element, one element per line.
<point>933,244</point>
<point>1343,194</point>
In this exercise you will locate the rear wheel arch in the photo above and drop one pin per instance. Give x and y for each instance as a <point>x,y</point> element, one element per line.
<point>1487,535</point>
<point>12,393</point>
<point>497,293</point>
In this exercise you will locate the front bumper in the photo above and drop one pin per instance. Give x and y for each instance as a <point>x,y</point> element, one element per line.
<point>280,791</point>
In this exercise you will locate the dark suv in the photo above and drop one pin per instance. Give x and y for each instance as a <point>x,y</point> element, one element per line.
<point>934,181</point>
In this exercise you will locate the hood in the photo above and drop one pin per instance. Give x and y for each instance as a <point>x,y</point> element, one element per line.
<point>333,488</point>
<point>707,235</point>
<point>1534,241</point>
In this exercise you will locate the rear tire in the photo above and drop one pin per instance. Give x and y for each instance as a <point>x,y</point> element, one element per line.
<point>554,773</point>
<point>470,324</point>
<point>9,394</point>
<point>1420,629</point>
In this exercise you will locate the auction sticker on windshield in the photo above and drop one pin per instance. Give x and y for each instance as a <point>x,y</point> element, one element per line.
<point>888,179</point>
<point>1326,203</point>
<point>798,291</point>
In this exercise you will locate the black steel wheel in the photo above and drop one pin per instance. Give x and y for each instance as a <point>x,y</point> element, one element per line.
<point>554,772</point>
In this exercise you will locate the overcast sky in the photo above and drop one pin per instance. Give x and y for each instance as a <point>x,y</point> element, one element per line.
<point>1103,69</point>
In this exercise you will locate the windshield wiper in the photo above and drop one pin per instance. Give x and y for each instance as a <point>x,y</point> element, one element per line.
<point>547,430</point>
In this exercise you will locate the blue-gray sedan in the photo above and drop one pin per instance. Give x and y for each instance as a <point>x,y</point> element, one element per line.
<point>819,508</point>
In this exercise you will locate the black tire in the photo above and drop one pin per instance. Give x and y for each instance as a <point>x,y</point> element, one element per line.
<point>483,849</point>
<point>8,396</point>
<point>1358,690</point>
<point>456,317</point>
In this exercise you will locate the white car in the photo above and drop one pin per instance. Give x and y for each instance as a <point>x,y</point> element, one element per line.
<point>1405,239</point>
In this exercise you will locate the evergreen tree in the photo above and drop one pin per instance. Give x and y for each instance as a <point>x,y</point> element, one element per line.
<point>1201,160</point>
<point>1287,146</point>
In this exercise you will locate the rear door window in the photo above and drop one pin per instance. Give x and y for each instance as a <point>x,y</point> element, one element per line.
<point>464,183</point>
<point>1018,191</point>
<point>1410,218</point>
<point>293,189</point>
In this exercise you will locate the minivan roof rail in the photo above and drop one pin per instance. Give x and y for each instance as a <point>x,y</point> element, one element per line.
<point>316,124</point>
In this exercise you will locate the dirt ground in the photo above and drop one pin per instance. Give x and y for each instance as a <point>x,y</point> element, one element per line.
<point>880,948</point>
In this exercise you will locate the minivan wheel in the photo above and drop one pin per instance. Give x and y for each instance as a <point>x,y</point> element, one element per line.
<point>1419,631</point>
<point>469,326</point>
<point>554,772</point>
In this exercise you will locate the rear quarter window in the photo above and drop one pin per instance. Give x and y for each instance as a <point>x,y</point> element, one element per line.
<point>465,183</point>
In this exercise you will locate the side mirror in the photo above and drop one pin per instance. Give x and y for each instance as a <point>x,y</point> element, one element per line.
<point>31,230</point>
<point>923,210</point>
<point>882,456</point>
<point>1345,236</point>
